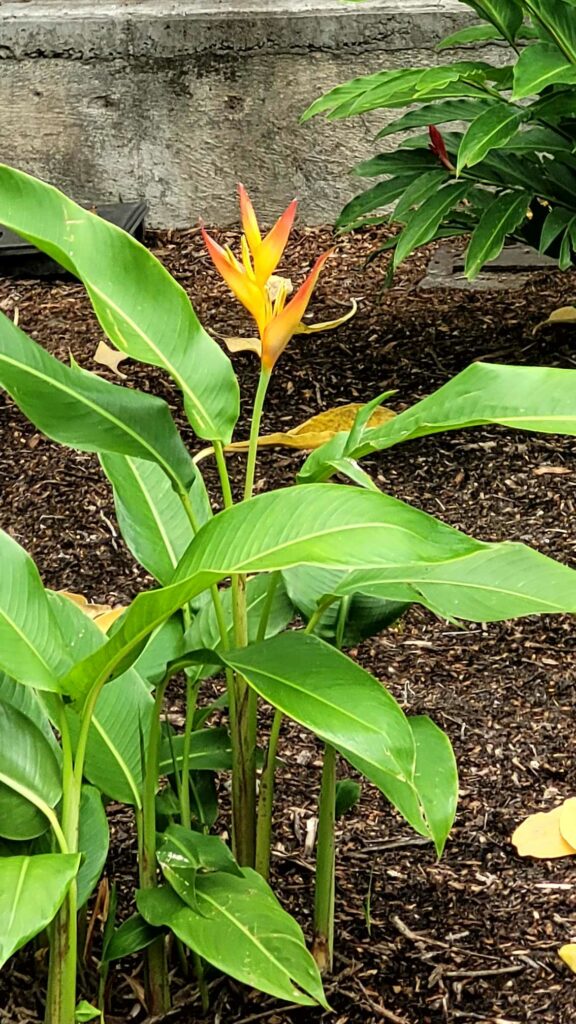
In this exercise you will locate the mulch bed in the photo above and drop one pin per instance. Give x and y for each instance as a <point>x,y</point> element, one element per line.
<point>475,936</point>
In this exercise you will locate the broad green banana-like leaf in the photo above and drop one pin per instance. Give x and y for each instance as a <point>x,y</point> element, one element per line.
<point>32,890</point>
<point>32,648</point>
<point>150,513</point>
<point>538,67</point>
<point>366,615</point>
<point>133,935</point>
<point>119,731</point>
<point>142,309</point>
<point>210,750</point>
<point>93,842</point>
<point>83,411</point>
<point>183,855</point>
<point>340,527</point>
<point>241,929</point>
<point>324,690</point>
<point>26,700</point>
<point>30,776</point>
<point>536,398</point>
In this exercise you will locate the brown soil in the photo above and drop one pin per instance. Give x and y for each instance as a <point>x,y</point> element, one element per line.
<point>474,937</point>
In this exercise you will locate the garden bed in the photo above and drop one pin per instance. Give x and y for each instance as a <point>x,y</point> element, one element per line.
<point>475,936</point>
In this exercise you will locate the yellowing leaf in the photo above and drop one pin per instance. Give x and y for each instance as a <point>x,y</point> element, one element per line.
<point>103,615</point>
<point>563,315</point>
<point>540,836</point>
<point>110,357</point>
<point>567,953</point>
<point>244,345</point>
<point>318,429</point>
<point>568,821</point>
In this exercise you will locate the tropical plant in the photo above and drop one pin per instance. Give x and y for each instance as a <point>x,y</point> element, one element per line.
<point>81,709</point>
<point>511,173</point>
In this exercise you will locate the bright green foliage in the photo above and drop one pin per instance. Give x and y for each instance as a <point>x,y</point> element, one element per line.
<point>527,108</point>
<point>31,891</point>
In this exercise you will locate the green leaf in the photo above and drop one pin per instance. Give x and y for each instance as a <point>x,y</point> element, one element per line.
<point>32,889</point>
<point>86,1012</point>
<point>555,224</point>
<point>399,162</point>
<point>32,648</point>
<point>347,796</point>
<point>27,701</point>
<point>382,194</point>
<point>365,616</point>
<point>555,106</point>
<point>423,224</point>
<point>150,513</point>
<point>241,929</point>
<point>490,130</point>
<point>165,645</point>
<point>185,855</point>
<point>418,191</point>
<point>93,842</point>
<point>210,751</point>
<point>142,309</point>
<point>436,777</point>
<point>498,221</point>
<point>132,936</point>
<point>505,15</point>
<point>538,140</point>
<point>555,19</point>
<point>437,113</point>
<point>538,67</point>
<point>83,411</point>
<point>30,778</point>
<point>482,34</point>
<point>120,726</point>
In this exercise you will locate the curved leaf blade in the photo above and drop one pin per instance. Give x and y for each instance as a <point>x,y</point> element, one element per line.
<point>30,777</point>
<point>142,309</point>
<point>497,222</point>
<point>490,130</point>
<point>32,889</point>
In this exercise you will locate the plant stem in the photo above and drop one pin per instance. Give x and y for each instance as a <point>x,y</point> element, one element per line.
<point>192,687</point>
<point>323,945</point>
<point>263,382</point>
<point>61,994</point>
<point>266,799</point>
<point>157,988</point>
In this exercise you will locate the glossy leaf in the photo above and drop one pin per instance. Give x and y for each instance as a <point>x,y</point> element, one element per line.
<point>83,411</point>
<point>347,796</point>
<point>506,15</point>
<point>150,513</point>
<point>437,113</point>
<point>500,219</point>
<point>184,856</point>
<point>132,936</point>
<point>555,21</point>
<point>32,890</point>
<point>241,929</point>
<point>210,750</point>
<point>382,194</point>
<point>32,648</point>
<point>416,193</point>
<point>30,777</point>
<point>538,67</point>
<point>490,130</point>
<point>29,703</point>
<point>144,312</point>
<point>423,224</point>
<point>93,842</point>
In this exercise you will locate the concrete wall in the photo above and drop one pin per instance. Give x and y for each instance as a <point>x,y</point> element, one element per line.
<point>177,100</point>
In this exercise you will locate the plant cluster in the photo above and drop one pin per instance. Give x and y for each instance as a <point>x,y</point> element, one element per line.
<point>510,173</point>
<point>81,710</point>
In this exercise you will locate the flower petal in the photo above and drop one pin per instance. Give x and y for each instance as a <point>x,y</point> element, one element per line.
<point>249,221</point>
<point>280,329</point>
<point>268,254</point>
<point>246,291</point>
<point>327,325</point>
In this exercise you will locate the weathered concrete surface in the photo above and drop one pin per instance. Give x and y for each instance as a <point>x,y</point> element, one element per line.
<point>177,100</point>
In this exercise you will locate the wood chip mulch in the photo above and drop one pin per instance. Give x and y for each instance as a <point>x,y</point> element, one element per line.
<point>475,936</point>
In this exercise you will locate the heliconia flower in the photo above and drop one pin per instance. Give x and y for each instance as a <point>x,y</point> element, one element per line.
<point>261,292</point>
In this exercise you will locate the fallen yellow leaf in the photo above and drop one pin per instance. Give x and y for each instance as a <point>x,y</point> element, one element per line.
<point>563,315</point>
<point>103,615</point>
<point>110,357</point>
<point>540,836</point>
<point>567,953</point>
<point>568,821</point>
<point>318,429</point>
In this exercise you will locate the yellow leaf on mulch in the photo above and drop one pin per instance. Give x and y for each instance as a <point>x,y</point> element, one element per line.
<point>110,357</point>
<point>103,615</point>
<point>564,315</point>
<point>567,953</point>
<point>568,821</point>
<point>540,836</point>
<point>319,429</point>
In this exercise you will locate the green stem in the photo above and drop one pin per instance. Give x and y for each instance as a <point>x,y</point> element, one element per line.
<point>263,382</point>
<point>156,976</point>
<point>267,608</point>
<point>266,799</point>
<point>192,687</point>
<point>63,966</point>
<point>323,946</point>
